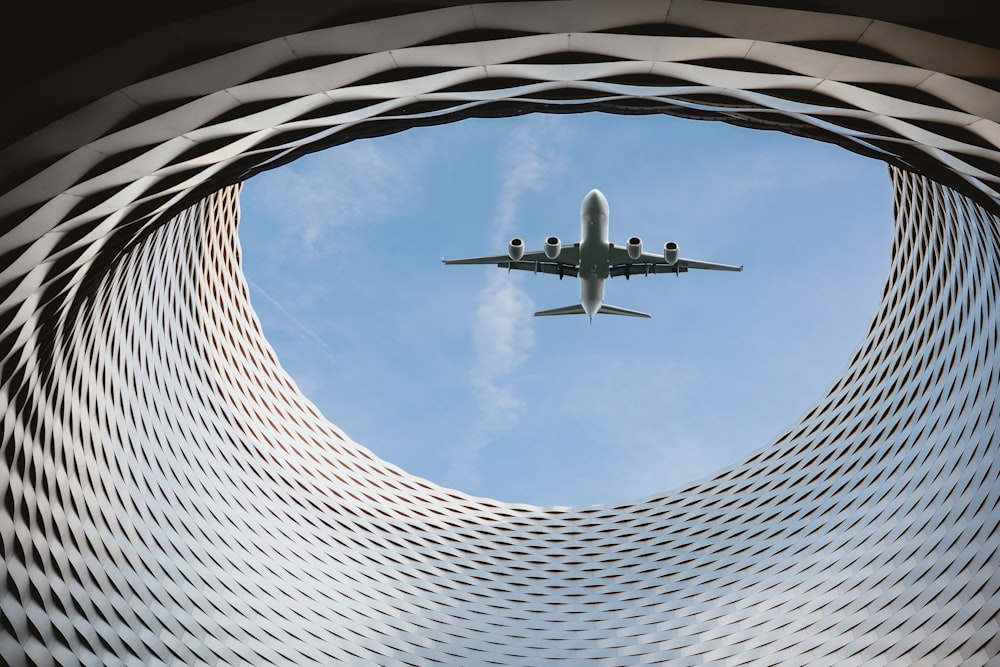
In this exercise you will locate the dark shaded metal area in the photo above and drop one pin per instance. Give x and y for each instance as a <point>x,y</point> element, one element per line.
<point>41,40</point>
<point>112,76</point>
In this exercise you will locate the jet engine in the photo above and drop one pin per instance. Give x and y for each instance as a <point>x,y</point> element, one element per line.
<point>552,247</point>
<point>515,249</point>
<point>634,247</point>
<point>670,252</point>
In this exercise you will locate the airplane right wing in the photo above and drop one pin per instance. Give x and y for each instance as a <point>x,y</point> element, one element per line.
<point>697,264</point>
<point>649,263</point>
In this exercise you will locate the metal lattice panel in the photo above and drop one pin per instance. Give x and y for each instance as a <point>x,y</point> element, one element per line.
<point>170,496</point>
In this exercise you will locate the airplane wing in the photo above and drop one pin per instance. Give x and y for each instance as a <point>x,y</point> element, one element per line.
<point>650,263</point>
<point>696,264</point>
<point>548,266</point>
<point>488,259</point>
<point>637,268</point>
<point>564,265</point>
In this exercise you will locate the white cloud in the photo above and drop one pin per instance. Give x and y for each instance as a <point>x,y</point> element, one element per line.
<point>503,339</point>
<point>500,345</point>
<point>361,182</point>
<point>502,329</point>
<point>530,159</point>
<point>305,217</point>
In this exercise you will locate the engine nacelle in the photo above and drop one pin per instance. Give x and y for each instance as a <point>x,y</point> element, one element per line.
<point>515,249</point>
<point>552,247</point>
<point>634,247</point>
<point>670,253</point>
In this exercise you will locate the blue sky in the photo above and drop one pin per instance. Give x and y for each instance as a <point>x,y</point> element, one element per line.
<point>444,372</point>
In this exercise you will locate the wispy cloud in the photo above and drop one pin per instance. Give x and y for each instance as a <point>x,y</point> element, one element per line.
<point>530,159</point>
<point>307,216</point>
<point>502,329</point>
<point>357,183</point>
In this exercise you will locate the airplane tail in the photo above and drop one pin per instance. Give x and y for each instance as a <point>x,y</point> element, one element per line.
<point>577,309</point>
<point>615,310</point>
<point>566,310</point>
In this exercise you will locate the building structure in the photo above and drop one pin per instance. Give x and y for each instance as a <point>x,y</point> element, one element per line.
<point>170,496</point>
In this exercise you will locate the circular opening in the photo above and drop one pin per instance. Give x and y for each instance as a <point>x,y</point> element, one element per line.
<point>443,371</point>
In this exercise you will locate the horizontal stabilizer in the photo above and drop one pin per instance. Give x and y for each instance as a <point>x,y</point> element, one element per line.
<point>615,310</point>
<point>577,309</point>
<point>565,310</point>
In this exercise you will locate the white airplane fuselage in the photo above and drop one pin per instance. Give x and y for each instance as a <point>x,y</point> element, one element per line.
<point>594,251</point>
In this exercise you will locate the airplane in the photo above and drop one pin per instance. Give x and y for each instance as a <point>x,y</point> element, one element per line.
<point>593,260</point>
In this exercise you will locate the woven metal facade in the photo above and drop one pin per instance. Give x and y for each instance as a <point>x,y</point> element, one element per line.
<point>169,496</point>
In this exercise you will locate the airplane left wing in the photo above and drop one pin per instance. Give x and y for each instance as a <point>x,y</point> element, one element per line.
<point>548,266</point>
<point>565,264</point>
<point>489,259</point>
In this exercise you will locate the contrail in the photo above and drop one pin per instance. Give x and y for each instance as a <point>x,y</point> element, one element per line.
<point>308,333</point>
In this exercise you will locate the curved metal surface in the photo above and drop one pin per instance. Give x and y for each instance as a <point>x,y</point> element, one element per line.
<point>170,496</point>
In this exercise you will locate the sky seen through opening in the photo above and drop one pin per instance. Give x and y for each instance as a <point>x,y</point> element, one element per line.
<point>444,372</point>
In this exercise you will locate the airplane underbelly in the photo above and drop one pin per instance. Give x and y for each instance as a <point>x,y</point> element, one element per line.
<point>594,256</point>
<point>591,294</point>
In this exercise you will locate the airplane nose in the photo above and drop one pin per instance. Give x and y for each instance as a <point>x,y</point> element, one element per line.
<point>594,201</point>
